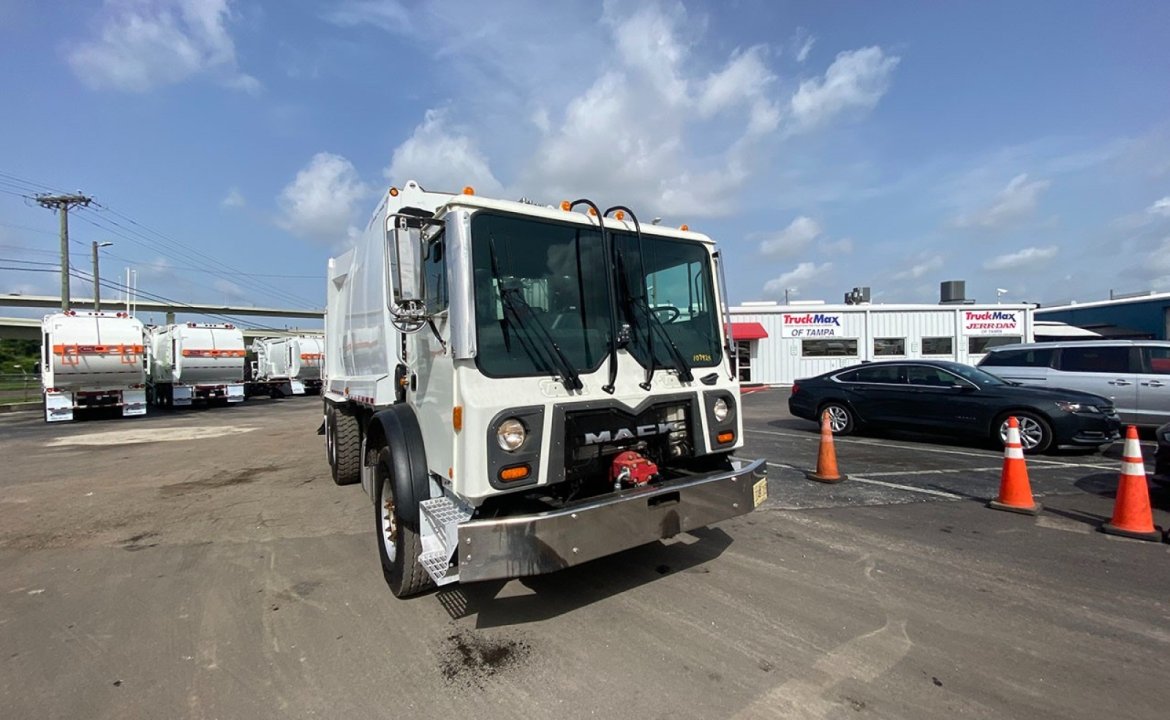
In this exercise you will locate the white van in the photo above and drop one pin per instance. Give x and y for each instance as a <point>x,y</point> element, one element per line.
<point>1135,374</point>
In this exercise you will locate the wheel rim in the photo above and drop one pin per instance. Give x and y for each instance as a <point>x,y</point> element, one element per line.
<point>838,418</point>
<point>389,522</point>
<point>1031,432</point>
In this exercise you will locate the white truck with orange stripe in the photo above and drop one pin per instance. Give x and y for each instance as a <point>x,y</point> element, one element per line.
<point>288,366</point>
<point>523,388</point>
<point>195,361</point>
<point>92,360</point>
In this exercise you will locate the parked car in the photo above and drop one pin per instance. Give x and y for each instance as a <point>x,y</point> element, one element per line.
<point>1134,374</point>
<point>1162,457</point>
<point>943,397</point>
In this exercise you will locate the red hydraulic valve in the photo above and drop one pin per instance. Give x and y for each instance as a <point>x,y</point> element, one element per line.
<point>631,468</point>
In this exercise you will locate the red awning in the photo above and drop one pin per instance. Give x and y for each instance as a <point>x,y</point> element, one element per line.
<point>747,331</point>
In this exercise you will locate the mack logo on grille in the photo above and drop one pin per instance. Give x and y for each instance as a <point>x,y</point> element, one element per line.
<point>607,436</point>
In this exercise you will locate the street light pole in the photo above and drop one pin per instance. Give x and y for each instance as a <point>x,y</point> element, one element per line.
<point>97,284</point>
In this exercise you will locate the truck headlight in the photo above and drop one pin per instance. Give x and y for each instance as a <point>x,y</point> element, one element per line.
<point>510,434</point>
<point>1073,407</point>
<point>720,410</point>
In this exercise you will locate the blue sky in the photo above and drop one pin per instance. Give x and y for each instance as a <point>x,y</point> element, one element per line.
<point>233,144</point>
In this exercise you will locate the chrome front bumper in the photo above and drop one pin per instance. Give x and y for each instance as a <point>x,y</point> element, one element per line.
<point>535,544</point>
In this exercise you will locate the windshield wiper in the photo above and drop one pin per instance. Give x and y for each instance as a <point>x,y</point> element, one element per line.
<point>514,304</point>
<point>653,323</point>
<point>514,301</point>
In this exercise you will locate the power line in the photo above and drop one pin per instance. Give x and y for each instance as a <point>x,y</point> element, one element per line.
<point>190,251</point>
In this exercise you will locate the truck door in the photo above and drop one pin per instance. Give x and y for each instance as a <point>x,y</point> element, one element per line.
<point>433,396</point>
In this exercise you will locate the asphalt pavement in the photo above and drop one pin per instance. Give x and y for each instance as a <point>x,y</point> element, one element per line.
<point>202,564</point>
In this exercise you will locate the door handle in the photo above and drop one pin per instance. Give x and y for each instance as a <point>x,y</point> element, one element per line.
<point>1120,382</point>
<point>1153,383</point>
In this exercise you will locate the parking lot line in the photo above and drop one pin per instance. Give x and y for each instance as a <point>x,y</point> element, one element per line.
<point>867,481</point>
<point>923,448</point>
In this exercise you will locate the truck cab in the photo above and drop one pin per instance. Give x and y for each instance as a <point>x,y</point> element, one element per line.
<point>521,388</point>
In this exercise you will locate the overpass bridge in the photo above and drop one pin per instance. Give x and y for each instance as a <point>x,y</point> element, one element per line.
<point>52,303</point>
<point>30,329</point>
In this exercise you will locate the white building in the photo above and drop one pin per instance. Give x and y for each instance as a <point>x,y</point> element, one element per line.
<point>779,344</point>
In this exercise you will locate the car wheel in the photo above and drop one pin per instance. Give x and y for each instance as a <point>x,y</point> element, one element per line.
<point>840,417</point>
<point>1035,433</point>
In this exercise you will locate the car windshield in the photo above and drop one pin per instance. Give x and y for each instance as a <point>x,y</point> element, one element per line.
<point>981,378</point>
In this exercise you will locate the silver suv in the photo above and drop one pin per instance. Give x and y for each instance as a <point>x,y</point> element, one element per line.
<point>1135,374</point>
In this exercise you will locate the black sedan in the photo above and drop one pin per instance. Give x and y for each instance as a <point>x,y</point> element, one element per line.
<point>953,399</point>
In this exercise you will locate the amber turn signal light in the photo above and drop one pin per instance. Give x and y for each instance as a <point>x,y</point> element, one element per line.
<point>514,473</point>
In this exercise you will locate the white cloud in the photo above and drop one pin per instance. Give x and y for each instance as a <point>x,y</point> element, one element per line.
<point>320,203</point>
<point>443,159</point>
<point>1014,203</point>
<point>920,268</point>
<point>805,48</point>
<point>630,135</point>
<point>856,79</point>
<point>844,246</point>
<point>144,44</point>
<point>793,239</point>
<point>388,15</point>
<point>234,199</point>
<point>797,279</point>
<point>1160,207</point>
<point>228,290</point>
<point>1027,259</point>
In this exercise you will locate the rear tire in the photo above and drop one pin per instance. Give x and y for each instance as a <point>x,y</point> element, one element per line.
<point>1035,432</point>
<point>346,448</point>
<point>841,418</point>
<point>398,539</point>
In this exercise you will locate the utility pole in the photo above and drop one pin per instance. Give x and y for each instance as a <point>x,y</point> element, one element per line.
<point>97,283</point>
<point>62,203</point>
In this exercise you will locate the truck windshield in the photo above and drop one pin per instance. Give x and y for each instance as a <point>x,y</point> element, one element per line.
<point>557,270</point>
<point>680,294</point>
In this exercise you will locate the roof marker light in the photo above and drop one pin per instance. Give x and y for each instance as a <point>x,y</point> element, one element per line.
<point>393,192</point>
<point>620,215</point>
<point>468,190</point>
<point>684,227</point>
<point>566,205</point>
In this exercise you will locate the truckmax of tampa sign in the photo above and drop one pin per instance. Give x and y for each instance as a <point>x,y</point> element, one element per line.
<point>991,322</point>
<point>811,324</point>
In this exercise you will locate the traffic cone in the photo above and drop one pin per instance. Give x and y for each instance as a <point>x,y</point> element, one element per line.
<point>1015,492</point>
<point>826,456</point>
<point>1131,511</point>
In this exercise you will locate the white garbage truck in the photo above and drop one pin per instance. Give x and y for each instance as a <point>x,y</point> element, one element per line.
<point>523,388</point>
<point>195,362</point>
<point>287,366</point>
<point>92,360</point>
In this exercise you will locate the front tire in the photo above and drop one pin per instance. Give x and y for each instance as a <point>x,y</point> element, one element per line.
<point>1035,432</point>
<point>344,442</point>
<point>841,420</point>
<point>398,540</point>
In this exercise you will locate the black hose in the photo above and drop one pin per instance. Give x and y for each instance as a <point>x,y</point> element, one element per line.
<point>609,270</point>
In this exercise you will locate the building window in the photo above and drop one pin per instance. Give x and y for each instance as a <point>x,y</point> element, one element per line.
<point>744,358</point>
<point>889,346</point>
<point>938,346</point>
<point>837,347</point>
<point>977,345</point>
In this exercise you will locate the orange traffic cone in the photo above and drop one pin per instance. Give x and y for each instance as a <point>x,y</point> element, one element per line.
<point>826,456</point>
<point>1131,511</point>
<point>1015,492</point>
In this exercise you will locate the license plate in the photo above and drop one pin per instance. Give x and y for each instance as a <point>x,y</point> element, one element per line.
<point>759,492</point>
